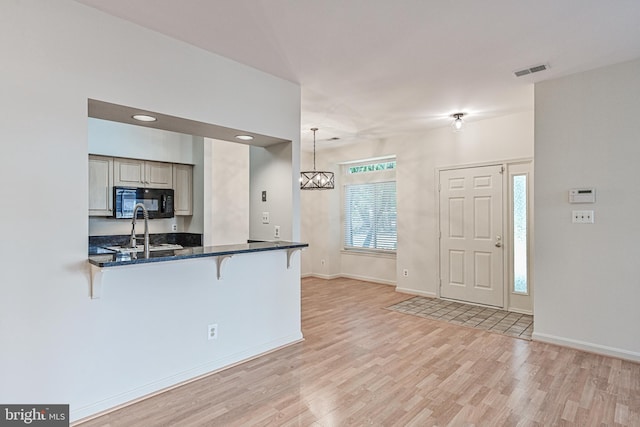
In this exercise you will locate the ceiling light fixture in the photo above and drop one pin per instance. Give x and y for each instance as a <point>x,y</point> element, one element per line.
<point>244,137</point>
<point>316,180</point>
<point>457,121</point>
<point>144,118</point>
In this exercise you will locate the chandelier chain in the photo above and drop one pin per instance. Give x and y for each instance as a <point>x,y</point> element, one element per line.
<point>314,147</point>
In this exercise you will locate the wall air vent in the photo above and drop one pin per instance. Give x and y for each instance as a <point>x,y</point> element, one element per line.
<point>531,70</point>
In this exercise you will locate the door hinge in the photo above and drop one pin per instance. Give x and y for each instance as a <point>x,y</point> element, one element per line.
<point>502,169</point>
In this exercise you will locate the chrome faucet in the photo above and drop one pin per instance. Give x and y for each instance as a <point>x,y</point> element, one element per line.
<point>145,214</point>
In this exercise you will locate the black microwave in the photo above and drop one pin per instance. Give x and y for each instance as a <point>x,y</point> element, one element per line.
<point>158,201</point>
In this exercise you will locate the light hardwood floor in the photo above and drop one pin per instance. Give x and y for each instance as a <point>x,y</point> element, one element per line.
<point>363,365</point>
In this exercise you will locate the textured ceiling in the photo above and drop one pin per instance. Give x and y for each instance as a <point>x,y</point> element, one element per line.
<point>378,68</point>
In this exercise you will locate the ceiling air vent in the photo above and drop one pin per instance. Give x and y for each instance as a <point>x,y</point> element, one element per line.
<point>531,70</point>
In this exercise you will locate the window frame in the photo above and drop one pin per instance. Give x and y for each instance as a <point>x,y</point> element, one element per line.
<point>512,230</point>
<point>366,177</point>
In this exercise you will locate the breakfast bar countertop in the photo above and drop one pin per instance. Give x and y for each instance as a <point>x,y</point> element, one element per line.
<point>116,259</point>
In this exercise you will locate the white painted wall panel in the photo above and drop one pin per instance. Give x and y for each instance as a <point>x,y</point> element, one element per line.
<point>229,193</point>
<point>269,166</point>
<point>137,142</point>
<point>587,286</point>
<point>58,344</point>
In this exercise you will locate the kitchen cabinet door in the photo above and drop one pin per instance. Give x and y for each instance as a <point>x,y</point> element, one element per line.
<point>183,189</point>
<point>100,186</point>
<point>142,173</point>
<point>158,175</point>
<point>128,172</point>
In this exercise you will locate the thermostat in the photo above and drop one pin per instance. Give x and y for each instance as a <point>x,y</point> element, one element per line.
<point>582,195</point>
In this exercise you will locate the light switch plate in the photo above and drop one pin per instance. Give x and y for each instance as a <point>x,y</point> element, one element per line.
<point>265,217</point>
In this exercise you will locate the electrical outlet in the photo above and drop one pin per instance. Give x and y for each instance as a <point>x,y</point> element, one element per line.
<point>276,231</point>
<point>405,272</point>
<point>174,227</point>
<point>265,217</point>
<point>213,331</point>
<point>582,217</point>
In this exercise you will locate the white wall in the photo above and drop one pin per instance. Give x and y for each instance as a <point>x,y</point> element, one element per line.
<point>418,156</point>
<point>586,276</point>
<point>270,166</point>
<point>115,139</point>
<point>229,193</point>
<point>58,344</point>
<point>321,227</point>
<point>201,168</point>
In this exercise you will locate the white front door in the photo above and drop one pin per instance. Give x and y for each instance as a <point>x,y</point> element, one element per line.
<point>471,238</point>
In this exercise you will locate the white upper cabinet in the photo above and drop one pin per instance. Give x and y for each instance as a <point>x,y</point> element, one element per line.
<point>100,186</point>
<point>142,173</point>
<point>128,172</point>
<point>158,175</point>
<point>108,172</point>
<point>183,186</point>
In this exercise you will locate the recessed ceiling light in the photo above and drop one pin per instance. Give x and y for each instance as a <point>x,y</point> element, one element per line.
<point>244,137</point>
<point>144,118</point>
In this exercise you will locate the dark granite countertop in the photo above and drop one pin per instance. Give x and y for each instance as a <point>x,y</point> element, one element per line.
<point>99,244</point>
<point>112,259</point>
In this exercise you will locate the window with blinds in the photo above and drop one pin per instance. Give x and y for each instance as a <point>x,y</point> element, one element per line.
<point>370,216</point>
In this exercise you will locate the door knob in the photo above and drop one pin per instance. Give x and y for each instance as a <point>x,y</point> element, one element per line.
<point>498,244</point>
<point>498,241</point>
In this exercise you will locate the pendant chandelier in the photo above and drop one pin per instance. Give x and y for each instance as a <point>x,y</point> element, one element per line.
<point>314,179</point>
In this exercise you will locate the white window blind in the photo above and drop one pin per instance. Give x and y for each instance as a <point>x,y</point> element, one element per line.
<point>370,216</point>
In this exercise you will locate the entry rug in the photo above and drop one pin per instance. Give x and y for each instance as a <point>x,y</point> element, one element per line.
<point>489,319</point>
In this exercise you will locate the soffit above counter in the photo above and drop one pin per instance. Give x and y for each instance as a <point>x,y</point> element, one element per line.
<point>123,114</point>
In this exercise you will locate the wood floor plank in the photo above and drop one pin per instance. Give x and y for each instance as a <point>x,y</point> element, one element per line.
<point>361,364</point>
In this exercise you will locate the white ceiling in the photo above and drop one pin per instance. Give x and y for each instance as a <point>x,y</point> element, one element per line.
<point>377,68</point>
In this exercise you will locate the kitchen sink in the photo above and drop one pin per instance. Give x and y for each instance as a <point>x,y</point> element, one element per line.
<point>140,248</point>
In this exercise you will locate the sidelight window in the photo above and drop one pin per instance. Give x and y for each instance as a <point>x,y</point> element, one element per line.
<point>520,231</point>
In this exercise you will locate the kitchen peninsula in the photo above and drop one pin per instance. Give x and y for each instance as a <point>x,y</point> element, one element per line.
<point>211,306</point>
<point>110,258</point>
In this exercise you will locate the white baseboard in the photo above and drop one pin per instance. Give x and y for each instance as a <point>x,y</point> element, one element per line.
<point>369,279</point>
<point>349,276</point>
<point>517,310</point>
<point>162,385</point>
<point>588,347</point>
<point>322,276</point>
<point>416,292</point>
